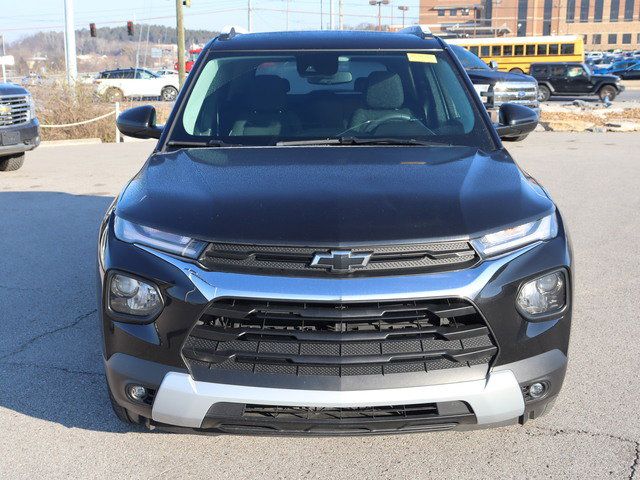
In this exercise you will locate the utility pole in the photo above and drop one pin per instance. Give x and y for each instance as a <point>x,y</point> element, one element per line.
<point>379,3</point>
<point>321,14</point>
<point>4,71</point>
<point>287,20</point>
<point>70,43</point>
<point>403,9</point>
<point>330,14</point>
<point>340,16</point>
<point>249,15</point>
<point>180,31</point>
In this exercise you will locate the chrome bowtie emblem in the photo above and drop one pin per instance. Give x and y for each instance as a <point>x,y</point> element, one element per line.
<point>521,93</point>
<point>340,261</point>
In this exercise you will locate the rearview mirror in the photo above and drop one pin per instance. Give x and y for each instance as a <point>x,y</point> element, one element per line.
<point>493,65</point>
<point>139,122</point>
<point>516,122</point>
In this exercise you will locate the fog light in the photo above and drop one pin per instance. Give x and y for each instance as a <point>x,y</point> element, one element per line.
<point>543,295</point>
<point>132,296</point>
<point>537,390</point>
<point>137,392</point>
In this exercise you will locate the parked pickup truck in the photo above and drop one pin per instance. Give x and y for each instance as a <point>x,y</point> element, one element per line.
<point>573,80</point>
<point>19,127</point>
<point>496,88</point>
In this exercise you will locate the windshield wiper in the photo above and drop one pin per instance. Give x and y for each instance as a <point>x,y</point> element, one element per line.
<point>361,141</point>
<point>197,144</point>
<point>389,141</point>
<point>315,141</point>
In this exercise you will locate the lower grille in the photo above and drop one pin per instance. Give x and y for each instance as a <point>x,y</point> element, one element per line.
<point>335,421</point>
<point>14,110</point>
<point>339,339</point>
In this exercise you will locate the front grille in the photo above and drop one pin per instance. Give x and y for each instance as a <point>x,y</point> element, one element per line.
<point>18,113</point>
<point>383,260</point>
<point>339,339</point>
<point>510,92</point>
<point>311,420</point>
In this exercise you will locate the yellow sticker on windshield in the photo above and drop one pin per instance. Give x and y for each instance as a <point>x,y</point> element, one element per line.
<point>422,57</point>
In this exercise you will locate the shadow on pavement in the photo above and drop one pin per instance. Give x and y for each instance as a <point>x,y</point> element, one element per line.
<point>50,354</point>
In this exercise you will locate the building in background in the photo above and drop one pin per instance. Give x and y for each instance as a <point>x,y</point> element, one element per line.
<point>605,24</point>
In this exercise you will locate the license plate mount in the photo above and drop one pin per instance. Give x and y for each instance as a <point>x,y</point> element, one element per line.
<point>10,138</point>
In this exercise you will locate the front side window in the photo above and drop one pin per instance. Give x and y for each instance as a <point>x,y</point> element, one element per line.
<point>267,98</point>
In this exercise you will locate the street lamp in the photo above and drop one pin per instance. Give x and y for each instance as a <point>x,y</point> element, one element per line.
<point>403,9</point>
<point>379,3</point>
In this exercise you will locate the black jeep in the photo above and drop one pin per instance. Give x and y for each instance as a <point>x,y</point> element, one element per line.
<point>572,80</point>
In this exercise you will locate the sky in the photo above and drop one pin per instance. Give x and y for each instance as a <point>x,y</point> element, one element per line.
<point>22,17</point>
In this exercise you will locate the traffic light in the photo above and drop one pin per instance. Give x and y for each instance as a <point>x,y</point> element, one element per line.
<point>186,3</point>
<point>92,30</point>
<point>130,28</point>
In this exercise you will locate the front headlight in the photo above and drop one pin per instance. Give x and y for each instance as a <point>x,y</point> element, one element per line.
<point>516,237</point>
<point>167,242</point>
<point>32,108</point>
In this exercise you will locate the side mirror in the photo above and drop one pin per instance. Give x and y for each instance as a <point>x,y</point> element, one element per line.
<point>493,65</point>
<point>139,122</point>
<point>516,122</point>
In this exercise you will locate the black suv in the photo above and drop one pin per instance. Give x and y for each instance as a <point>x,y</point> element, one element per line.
<point>19,127</point>
<point>330,238</point>
<point>573,80</point>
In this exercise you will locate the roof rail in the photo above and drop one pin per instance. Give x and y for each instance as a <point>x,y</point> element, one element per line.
<point>417,30</point>
<point>230,31</point>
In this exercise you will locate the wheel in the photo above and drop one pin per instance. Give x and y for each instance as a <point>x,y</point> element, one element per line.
<point>543,93</point>
<point>516,70</point>
<point>113,94</point>
<point>9,164</point>
<point>169,94</point>
<point>607,91</point>
<point>122,413</point>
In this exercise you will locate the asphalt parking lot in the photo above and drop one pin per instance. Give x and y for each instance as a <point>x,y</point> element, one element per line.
<point>55,418</point>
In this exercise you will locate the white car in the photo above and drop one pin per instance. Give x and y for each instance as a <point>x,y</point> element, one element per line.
<point>116,85</point>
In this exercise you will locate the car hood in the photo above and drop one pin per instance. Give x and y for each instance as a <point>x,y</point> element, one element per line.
<point>336,196</point>
<point>11,89</point>
<point>608,78</point>
<point>492,76</point>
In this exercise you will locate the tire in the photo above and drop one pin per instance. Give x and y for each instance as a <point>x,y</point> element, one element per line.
<point>124,415</point>
<point>516,70</point>
<point>10,164</point>
<point>113,94</point>
<point>169,94</point>
<point>607,91</point>
<point>543,93</point>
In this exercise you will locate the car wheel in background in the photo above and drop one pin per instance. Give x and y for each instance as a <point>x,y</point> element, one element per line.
<point>607,91</point>
<point>169,94</point>
<point>543,93</point>
<point>9,164</point>
<point>113,95</point>
<point>516,70</point>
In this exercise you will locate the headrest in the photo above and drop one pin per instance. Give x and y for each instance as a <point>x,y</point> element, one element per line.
<point>268,93</point>
<point>360,85</point>
<point>384,90</point>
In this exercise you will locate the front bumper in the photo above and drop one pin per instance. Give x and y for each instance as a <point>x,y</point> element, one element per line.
<point>29,134</point>
<point>151,355</point>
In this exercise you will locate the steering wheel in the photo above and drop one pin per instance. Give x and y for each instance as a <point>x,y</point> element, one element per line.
<point>374,124</point>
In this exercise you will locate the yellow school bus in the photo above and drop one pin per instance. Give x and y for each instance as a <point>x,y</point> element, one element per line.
<point>516,54</point>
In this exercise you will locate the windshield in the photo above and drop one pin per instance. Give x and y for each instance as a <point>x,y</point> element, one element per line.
<point>275,97</point>
<point>469,60</point>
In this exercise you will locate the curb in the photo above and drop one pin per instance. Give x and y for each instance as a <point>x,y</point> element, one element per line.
<point>68,143</point>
